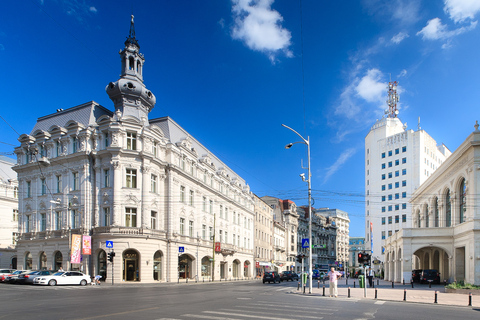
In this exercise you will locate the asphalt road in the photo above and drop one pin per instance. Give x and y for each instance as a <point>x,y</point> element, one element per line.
<point>226,300</point>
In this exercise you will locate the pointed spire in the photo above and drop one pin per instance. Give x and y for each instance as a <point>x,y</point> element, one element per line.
<point>131,37</point>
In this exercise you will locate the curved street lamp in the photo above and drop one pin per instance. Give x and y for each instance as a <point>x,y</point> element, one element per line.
<point>309,181</point>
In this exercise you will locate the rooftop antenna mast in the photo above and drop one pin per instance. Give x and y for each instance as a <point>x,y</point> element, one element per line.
<point>393,98</point>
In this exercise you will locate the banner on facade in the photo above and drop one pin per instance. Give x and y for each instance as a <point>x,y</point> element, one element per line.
<point>87,245</point>
<point>218,247</point>
<point>76,248</point>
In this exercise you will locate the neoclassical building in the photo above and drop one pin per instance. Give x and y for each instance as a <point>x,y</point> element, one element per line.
<point>8,213</point>
<point>445,232</point>
<point>263,239</point>
<point>168,206</point>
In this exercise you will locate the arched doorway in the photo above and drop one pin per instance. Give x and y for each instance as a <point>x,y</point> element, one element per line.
<point>102,265</point>
<point>14,263</point>
<point>246,269</point>
<point>130,265</point>
<point>58,260</point>
<point>235,268</point>
<point>157,265</point>
<point>185,266</point>
<point>433,258</point>
<point>206,266</point>
<point>42,261</point>
<point>28,261</point>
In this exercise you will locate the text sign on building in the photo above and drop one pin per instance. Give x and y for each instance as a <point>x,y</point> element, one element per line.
<point>181,249</point>
<point>218,247</point>
<point>305,243</point>
<point>109,244</point>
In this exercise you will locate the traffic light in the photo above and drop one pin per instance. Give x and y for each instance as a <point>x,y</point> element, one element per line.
<point>300,257</point>
<point>361,257</point>
<point>110,256</point>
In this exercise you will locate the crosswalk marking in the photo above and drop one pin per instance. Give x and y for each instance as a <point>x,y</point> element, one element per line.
<point>245,315</point>
<point>314,311</point>
<point>263,312</point>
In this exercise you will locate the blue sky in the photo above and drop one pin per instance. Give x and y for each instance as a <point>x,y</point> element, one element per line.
<point>231,72</point>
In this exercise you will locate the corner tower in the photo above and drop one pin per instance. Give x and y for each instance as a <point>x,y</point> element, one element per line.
<point>129,95</point>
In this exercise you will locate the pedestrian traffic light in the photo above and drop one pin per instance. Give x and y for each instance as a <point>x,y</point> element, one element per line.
<point>110,256</point>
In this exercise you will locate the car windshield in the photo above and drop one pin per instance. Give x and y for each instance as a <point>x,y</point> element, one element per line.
<point>18,272</point>
<point>34,272</point>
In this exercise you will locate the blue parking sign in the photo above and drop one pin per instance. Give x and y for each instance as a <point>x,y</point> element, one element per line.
<point>181,249</point>
<point>305,243</point>
<point>109,244</point>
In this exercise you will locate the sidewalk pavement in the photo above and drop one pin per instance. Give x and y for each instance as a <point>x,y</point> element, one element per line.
<point>421,293</point>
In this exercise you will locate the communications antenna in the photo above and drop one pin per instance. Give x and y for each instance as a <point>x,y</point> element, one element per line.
<point>393,98</point>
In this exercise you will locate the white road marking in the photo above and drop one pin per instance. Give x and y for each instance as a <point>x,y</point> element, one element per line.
<point>263,312</point>
<point>245,315</point>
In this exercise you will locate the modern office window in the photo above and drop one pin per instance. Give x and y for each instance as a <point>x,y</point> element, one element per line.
<point>389,197</point>
<point>404,160</point>
<point>397,173</point>
<point>389,208</point>
<point>131,141</point>
<point>153,183</point>
<point>397,207</point>
<point>390,175</point>
<point>404,183</point>
<point>404,194</point>
<point>389,186</point>
<point>383,176</point>
<point>404,149</point>
<point>397,184</point>
<point>383,155</point>
<point>390,153</point>
<point>383,209</point>
<point>153,220</point>
<point>383,235</point>
<point>131,217</point>
<point>397,162</point>
<point>397,219</point>
<point>182,226</point>
<point>389,233</point>
<point>383,165</point>
<point>383,198</point>
<point>404,218</point>
<point>390,164</point>
<point>75,184</point>
<point>404,206</point>
<point>390,220</point>
<point>383,187</point>
<point>404,172</point>
<point>106,178</point>
<point>131,178</point>
<point>397,151</point>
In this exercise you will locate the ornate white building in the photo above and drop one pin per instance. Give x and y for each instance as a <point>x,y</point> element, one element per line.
<point>263,236</point>
<point>445,233</point>
<point>8,213</point>
<point>342,222</point>
<point>146,185</point>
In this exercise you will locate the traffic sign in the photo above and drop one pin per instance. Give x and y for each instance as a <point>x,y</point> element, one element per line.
<point>181,249</point>
<point>109,244</point>
<point>305,243</point>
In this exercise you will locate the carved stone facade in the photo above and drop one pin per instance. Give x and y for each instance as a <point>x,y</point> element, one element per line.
<point>8,213</point>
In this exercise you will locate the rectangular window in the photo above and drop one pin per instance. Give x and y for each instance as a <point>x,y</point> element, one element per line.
<point>204,232</point>
<point>58,148</point>
<point>389,233</point>
<point>389,209</point>
<point>131,178</point>
<point>205,204</point>
<point>404,149</point>
<point>221,211</point>
<point>390,175</point>
<point>210,232</point>
<point>75,219</point>
<point>397,151</point>
<point>397,207</point>
<point>131,141</point>
<point>383,235</point>
<point>389,197</point>
<point>191,198</point>
<point>404,194</point>
<point>404,218</point>
<point>190,228</point>
<point>131,217</point>
<point>182,194</point>
<point>383,165</point>
<point>390,153</point>
<point>383,176</point>
<point>404,160</point>
<point>15,215</point>
<point>404,206</point>
<point>211,207</point>
<point>74,144</point>
<point>106,216</point>
<point>383,155</point>
<point>397,173</point>
<point>29,189</point>
<point>154,148</point>
<point>27,223</point>
<point>226,214</point>
<point>389,186</point>
<point>58,220</point>
<point>390,220</point>
<point>383,187</point>
<point>397,219</point>
<point>43,222</point>
<point>75,185</point>
<point>59,184</point>
<point>106,141</point>
<point>383,198</point>
<point>106,178</point>
<point>44,187</point>
<point>404,172</point>
<point>15,192</point>
<point>404,183</point>
<point>397,162</point>
<point>182,226</point>
<point>390,164</point>
<point>153,220</point>
<point>153,183</point>
<point>397,196</point>
<point>383,209</point>
<point>397,184</point>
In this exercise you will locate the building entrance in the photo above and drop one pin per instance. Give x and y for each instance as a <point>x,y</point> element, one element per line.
<point>130,266</point>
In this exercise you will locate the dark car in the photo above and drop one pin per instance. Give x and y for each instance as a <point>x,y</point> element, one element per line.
<point>416,275</point>
<point>431,275</point>
<point>288,276</point>
<point>271,277</point>
<point>27,278</point>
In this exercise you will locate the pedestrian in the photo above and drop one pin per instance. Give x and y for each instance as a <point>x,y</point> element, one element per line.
<point>97,279</point>
<point>370,277</point>
<point>333,276</point>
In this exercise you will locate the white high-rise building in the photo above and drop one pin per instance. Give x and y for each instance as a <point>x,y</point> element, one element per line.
<point>397,162</point>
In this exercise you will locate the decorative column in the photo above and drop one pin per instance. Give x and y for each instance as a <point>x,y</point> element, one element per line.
<point>143,211</point>
<point>117,187</point>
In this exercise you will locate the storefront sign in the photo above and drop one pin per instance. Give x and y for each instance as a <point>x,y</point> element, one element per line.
<point>87,245</point>
<point>76,248</point>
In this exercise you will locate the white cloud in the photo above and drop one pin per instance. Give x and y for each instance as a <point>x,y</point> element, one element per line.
<point>259,27</point>
<point>399,37</point>
<point>435,30</point>
<point>403,73</point>
<point>93,9</point>
<point>342,159</point>
<point>370,87</point>
<point>461,10</point>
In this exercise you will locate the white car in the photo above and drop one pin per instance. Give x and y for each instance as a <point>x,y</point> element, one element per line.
<point>62,278</point>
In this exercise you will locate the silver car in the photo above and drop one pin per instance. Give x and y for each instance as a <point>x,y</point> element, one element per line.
<point>27,278</point>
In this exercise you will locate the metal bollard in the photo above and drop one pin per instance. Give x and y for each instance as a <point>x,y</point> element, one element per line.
<point>349,292</point>
<point>373,284</point>
<point>435,297</point>
<point>298,286</point>
<point>470,299</point>
<point>403,281</point>
<point>393,285</point>
<point>324,291</point>
<point>404,294</point>
<point>187,280</point>
<point>429,284</point>
<point>346,281</point>
<point>412,283</point>
<point>304,287</point>
<point>378,282</point>
<point>375,293</point>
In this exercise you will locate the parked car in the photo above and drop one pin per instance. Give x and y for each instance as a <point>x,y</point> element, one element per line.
<point>416,275</point>
<point>288,276</point>
<point>12,278</point>
<point>430,275</point>
<point>4,273</point>
<point>27,278</point>
<point>271,277</point>
<point>63,278</point>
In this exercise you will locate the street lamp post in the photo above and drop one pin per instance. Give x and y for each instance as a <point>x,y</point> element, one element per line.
<point>309,181</point>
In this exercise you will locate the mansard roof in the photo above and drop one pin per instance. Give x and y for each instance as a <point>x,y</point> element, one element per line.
<point>85,114</point>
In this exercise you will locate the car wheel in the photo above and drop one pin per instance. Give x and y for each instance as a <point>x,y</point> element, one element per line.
<point>52,283</point>
<point>83,282</point>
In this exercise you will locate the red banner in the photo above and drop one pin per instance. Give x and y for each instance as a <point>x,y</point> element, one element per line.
<point>218,247</point>
<point>87,245</point>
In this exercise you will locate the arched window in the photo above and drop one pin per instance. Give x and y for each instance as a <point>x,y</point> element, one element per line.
<point>462,202</point>
<point>42,261</point>
<point>157,266</point>
<point>448,209</point>
<point>28,261</point>
<point>435,212</point>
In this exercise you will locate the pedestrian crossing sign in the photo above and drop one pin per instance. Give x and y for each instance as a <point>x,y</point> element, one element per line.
<point>305,243</point>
